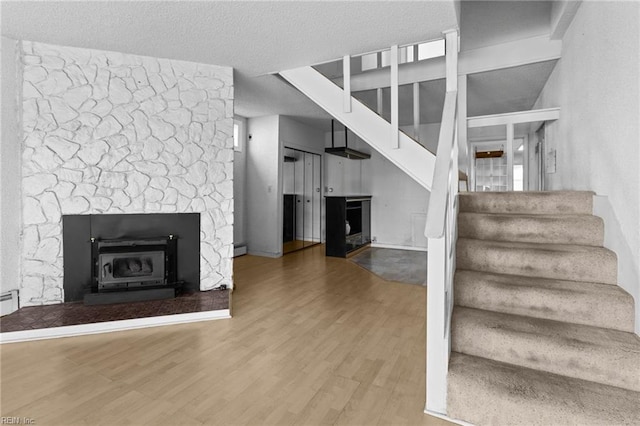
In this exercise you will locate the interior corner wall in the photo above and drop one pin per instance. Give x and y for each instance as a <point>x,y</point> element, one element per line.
<point>9,169</point>
<point>301,136</point>
<point>264,210</point>
<point>428,135</point>
<point>399,204</point>
<point>597,138</point>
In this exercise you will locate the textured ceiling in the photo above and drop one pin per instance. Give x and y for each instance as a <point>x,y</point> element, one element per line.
<point>506,90</point>
<point>258,38</point>
<point>485,23</point>
<point>255,38</point>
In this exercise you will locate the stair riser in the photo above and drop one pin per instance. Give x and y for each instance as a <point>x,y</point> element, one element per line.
<point>581,230</point>
<point>578,303</point>
<point>526,348</point>
<point>590,266</point>
<point>508,395</point>
<point>527,203</point>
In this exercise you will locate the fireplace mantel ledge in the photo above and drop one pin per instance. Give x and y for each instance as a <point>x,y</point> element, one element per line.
<point>110,326</point>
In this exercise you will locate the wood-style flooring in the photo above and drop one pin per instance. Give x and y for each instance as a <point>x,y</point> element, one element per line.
<point>313,340</point>
<point>294,245</point>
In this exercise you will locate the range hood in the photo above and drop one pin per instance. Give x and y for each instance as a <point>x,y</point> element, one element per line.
<point>349,153</point>
<point>345,151</point>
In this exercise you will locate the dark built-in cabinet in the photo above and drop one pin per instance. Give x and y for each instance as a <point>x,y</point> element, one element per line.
<point>348,224</point>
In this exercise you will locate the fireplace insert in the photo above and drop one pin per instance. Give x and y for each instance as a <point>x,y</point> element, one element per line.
<point>133,264</point>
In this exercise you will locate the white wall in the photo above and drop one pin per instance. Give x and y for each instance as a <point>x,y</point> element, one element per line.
<point>344,176</point>
<point>264,199</point>
<point>427,135</point>
<point>399,204</point>
<point>596,140</point>
<point>10,144</point>
<point>297,135</point>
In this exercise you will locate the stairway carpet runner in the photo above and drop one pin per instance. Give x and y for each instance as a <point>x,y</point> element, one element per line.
<point>541,333</point>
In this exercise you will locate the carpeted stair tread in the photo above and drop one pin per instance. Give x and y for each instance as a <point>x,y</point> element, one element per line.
<point>595,304</point>
<point>557,261</point>
<point>551,229</point>
<point>552,202</point>
<point>486,392</point>
<point>590,353</point>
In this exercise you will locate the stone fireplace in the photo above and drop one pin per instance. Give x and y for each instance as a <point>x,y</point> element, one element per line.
<point>109,134</point>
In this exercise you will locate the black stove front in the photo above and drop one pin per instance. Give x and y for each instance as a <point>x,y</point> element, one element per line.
<point>125,264</point>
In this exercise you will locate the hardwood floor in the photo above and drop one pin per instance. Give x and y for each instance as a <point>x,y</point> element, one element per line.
<point>295,245</point>
<point>314,340</point>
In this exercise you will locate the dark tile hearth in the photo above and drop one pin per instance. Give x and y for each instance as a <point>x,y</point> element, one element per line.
<point>76,313</point>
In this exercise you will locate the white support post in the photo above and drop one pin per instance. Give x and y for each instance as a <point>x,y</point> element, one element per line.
<point>437,354</point>
<point>510,129</point>
<point>464,159</point>
<point>379,100</point>
<point>416,111</point>
<point>395,142</point>
<point>346,73</point>
<point>451,59</point>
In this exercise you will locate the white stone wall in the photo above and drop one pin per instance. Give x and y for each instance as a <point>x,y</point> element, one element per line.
<point>105,132</point>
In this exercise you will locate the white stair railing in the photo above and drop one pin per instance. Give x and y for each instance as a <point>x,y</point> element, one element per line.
<point>441,233</point>
<point>411,157</point>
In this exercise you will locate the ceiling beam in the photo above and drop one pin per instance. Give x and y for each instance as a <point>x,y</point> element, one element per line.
<point>511,118</point>
<point>504,55</point>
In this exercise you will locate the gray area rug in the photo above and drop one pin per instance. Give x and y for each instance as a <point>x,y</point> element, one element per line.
<point>405,266</point>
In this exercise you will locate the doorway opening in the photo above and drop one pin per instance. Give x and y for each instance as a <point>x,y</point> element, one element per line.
<point>302,210</point>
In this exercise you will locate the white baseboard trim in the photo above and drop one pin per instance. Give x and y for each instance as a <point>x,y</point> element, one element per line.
<point>110,326</point>
<point>447,418</point>
<point>398,247</point>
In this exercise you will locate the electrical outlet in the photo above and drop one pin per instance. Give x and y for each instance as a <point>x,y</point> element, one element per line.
<point>374,239</point>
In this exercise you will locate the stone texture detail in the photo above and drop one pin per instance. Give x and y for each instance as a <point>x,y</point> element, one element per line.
<point>106,132</point>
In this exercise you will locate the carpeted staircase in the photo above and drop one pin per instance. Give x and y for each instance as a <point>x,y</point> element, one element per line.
<point>541,333</point>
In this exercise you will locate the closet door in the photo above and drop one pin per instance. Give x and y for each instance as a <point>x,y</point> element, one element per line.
<point>317,199</point>
<point>302,196</point>
<point>308,199</point>
<point>299,191</point>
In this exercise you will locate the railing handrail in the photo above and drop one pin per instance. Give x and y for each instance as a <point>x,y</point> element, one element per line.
<point>437,208</point>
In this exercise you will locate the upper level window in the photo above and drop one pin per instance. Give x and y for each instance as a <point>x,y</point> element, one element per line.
<point>239,133</point>
<point>427,50</point>
<point>237,146</point>
<point>369,61</point>
<point>430,49</point>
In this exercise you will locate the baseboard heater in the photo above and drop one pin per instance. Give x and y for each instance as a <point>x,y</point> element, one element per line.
<point>239,250</point>
<point>9,302</point>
